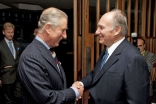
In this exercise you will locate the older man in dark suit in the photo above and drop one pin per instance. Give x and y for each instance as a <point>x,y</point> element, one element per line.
<point>10,51</point>
<point>121,74</point>
<point>41,74</point>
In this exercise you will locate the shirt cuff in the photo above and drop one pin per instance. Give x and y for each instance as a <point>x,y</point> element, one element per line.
<point>76,91</point>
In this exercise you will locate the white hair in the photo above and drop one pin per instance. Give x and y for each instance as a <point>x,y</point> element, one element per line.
<point>120,20</point>
<point>51,16</point>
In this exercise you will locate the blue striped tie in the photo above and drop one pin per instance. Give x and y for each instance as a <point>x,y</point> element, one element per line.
<point>104,58</point>
<point>11,48</point>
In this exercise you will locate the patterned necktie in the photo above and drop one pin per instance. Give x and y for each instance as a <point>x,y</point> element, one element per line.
<point>11,48</point>
<point>104,58</point>
<point>143,53</point>
<point>55,58</point>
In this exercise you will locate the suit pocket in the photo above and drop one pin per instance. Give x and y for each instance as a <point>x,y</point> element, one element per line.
<point>8,71</point>
<point>5,69</point>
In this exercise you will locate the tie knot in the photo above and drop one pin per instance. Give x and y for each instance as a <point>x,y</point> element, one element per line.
<point>106,52</point>
<point>10,42</point>
<point>51,49</point>
<point>53,53</point>
<point>104,58</point>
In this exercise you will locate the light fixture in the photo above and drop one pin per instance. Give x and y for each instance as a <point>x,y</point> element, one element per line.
<point>27,6</point>
<point>2,6</point>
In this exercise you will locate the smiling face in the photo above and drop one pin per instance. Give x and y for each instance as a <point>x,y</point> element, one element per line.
<point>105,30</point>
<point>9,33</point>
<point>57,34</point>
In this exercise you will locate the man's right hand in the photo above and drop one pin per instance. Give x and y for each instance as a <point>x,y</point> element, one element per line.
<point>79,87</point>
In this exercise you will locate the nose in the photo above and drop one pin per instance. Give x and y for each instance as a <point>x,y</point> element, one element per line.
<point>97,32</point>
<point>64,35</point>
<point>11,34</point>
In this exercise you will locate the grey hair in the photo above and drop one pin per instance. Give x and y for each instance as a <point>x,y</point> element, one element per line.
<point>120,20</point>
<point>51,16</point>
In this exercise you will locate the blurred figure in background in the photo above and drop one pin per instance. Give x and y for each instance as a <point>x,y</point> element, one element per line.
<point>10,51</point>
<point>149,58</point>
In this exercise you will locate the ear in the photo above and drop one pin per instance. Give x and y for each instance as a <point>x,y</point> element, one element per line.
<point>117,30</point>
<point>3,32</point>
<point>48,28</point>
<point>144,46</point>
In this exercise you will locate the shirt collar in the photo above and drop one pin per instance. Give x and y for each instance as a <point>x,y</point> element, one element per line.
<point>7,40</point>
<point>114,46</point>
<point>45,44</point>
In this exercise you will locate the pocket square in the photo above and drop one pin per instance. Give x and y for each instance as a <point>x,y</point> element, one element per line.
<point>7,67</point>
<point>18,48</point>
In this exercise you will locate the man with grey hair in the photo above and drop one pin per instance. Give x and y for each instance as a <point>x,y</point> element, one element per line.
<point>121,74</point>
<point>41,74</point>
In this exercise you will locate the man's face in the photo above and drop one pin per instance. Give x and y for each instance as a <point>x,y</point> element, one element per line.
<point>105,31</point>
<point>140,45</point>
<point>9,33</point>
<point>57,34</point>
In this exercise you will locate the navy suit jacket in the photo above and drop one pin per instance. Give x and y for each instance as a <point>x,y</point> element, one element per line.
<point>41,80</point>
<point>124,79</point>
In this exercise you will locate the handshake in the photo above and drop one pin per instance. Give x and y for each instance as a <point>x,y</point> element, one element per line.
<point>79,86</point>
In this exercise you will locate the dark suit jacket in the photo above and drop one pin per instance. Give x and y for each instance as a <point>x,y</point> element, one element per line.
<point>124,79</point>
<point>8,65</point>
<point>42,82</point>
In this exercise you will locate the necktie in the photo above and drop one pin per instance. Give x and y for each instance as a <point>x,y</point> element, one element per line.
<point>11,48</point>
<point>104,58</point>
<point>55,58</point>
<point>143,53</point>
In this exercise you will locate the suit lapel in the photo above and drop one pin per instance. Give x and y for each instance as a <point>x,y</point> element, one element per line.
<point>16,49</point>
<point>63,75</point>
<point>7,48</point>
<point>47,55</point>
<point>112,60</point>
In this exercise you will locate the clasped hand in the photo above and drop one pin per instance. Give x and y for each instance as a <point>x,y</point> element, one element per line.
<point>79,87</point>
